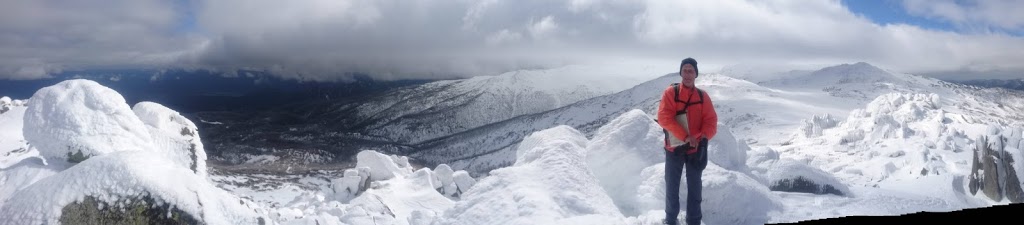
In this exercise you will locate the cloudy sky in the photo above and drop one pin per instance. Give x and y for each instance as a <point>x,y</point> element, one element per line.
<point>328,40</point>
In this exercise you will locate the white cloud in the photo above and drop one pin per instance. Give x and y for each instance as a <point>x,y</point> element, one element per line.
<point>38,38</point>
<point>543,28</point>
<point>972,15</point>
<point>398,39</point>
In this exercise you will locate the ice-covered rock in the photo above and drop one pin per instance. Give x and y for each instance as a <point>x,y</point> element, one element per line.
<point>173,135</point>
<point>726,151</point>
<point>997,168</point>
<point>732,197</point>
<point>549,184</point>
<point>463,181</point>
<point>5,104</point>
<point>620,150</point>
<point>814,126</point>
<point>77,119</point>
<point>395,201</point>
<point>795,176</point>
<point>381,166</point>
<point>125,178</point>
<point>890,116</point>
<point>427,178</point>
<point>349,186</point>
<point>446,176</point>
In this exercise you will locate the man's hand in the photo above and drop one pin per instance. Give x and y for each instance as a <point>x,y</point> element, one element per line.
<point>692,140</point>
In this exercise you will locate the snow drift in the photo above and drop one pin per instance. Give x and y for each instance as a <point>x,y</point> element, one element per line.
<point>549,184</point>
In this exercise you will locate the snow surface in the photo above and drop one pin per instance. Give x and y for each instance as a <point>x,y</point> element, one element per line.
<point>122,175</point>
<point>82,116</point>
<point>549,184</point>
<point>13,147</point>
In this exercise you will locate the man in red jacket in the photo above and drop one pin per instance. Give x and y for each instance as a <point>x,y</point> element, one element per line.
<point>689,119</point>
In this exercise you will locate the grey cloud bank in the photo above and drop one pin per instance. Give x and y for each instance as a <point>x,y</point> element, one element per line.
<point>329,40</point>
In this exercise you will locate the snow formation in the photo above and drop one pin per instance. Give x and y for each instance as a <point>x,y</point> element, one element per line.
<point>173,135</point>
<point>549,184</point>
<point>77,119</point>
<point>123,176</point>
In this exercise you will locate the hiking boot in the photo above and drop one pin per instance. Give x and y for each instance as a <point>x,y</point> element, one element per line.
<point>665,222</point>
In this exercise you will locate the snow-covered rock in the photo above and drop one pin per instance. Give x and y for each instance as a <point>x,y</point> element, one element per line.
<point>382,167</point>
<point>349,186</point>
<point>395,201</point>
<point>446,176</point>
<point>121,177</point>
<point>174,135</point>
<point>77,119</point>
<point>732,197</point>
<point>998,166</point>
<point>549,184</point>
<point>5,104</point>
<point>814,126</point>
<point>726,151</point>
<point>463,181</point>
<point>890,117</point>
<point>622,149</point>
<point>795,176</point>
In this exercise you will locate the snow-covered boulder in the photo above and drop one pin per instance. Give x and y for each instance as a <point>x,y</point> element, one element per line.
<point>463,181</point>
<point>445,174</point>
<point>997,168</point>
<point>620,150</point>
<point>77,119</point>
<point>890,116</point>
<point>813,127</point>
<point>426,178</point>
<point>395,201</point>
<point>549,184</point>
<point>173,135</point>
<point>5,104</point>
<point>726,151</point>
<point>732,197</point>
<point>795,176</point>
<point>382,167</point>
<point>106,183</point>
<point>350,185</point>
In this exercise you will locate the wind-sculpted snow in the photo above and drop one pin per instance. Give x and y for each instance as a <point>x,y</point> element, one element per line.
<point>549,184</point>
<point>727,151</point>
<point>174,135</point>
<point>123,176</point>
<point>77,119</point>
<point>622,149</point>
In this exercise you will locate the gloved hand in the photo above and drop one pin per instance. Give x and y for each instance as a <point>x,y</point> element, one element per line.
<point>683,150</point>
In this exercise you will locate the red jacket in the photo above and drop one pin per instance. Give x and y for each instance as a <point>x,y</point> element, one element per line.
<point>701,118</point>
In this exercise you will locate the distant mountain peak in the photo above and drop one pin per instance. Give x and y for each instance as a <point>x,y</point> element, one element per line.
<point>861,68</point>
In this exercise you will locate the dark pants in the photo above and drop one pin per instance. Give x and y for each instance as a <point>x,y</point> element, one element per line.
<point>673,172</point>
